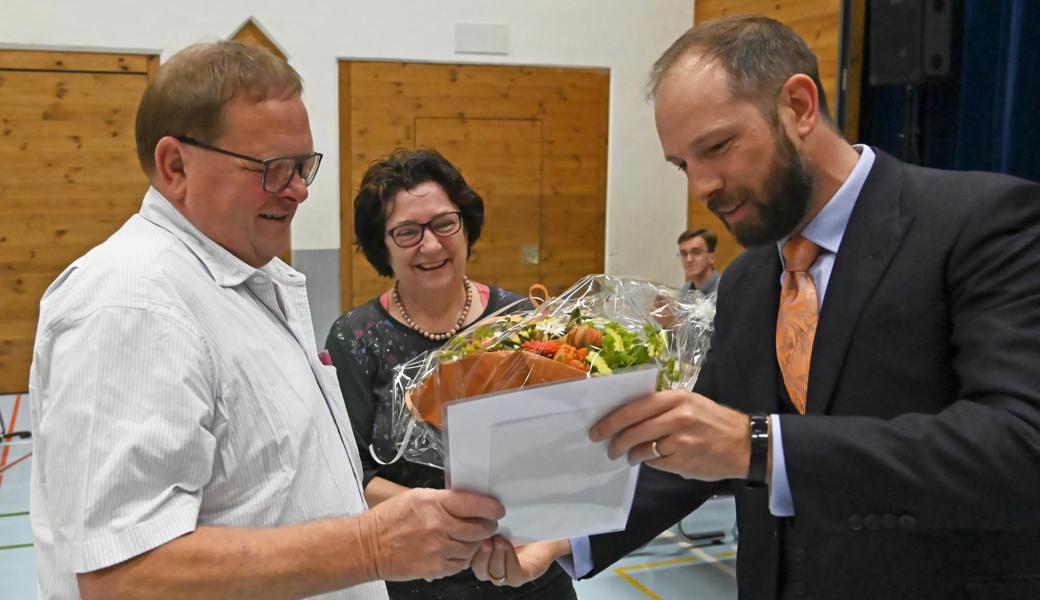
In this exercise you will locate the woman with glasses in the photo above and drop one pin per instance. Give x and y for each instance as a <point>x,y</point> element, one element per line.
<point>416,220</point>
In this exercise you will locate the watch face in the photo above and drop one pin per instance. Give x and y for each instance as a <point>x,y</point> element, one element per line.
<point>759,450</point>
<point>759,425</point>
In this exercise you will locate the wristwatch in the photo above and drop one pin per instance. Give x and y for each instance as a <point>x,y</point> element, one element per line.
<point>759,431</point>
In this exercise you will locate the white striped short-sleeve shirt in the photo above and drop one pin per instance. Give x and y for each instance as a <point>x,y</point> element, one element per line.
<point>174,386</point>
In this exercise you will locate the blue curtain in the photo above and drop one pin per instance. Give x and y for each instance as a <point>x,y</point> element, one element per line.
<point>987,116</point>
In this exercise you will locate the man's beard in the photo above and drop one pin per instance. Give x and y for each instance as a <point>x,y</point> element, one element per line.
<point>788,186</point>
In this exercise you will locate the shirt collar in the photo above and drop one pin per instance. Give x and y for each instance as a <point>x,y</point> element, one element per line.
<point>226,269</point>
<point>828,227</point>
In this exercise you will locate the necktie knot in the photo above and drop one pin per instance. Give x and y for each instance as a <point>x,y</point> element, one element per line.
<point>799,254</point>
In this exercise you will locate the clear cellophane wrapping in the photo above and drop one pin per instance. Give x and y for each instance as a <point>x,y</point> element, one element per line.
<point>598,325</point>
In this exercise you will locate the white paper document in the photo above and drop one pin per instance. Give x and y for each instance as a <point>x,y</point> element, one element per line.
<point>530,449</point>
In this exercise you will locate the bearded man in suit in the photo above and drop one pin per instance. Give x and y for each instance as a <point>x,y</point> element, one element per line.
<point>872,395</point>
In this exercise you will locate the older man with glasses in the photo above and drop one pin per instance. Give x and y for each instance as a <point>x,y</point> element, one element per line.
<point>190,440</point>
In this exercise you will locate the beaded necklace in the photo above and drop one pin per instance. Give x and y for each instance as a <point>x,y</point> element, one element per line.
<point>444,335</point>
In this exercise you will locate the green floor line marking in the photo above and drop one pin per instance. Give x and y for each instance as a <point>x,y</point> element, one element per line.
<point>15,547</point>
<point>18,514</point>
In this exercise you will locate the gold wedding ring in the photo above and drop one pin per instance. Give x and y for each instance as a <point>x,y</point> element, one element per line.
<point>656,451</point>
<point>496,580</point>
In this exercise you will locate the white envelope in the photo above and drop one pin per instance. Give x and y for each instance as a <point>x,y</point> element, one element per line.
<point>530,449</point>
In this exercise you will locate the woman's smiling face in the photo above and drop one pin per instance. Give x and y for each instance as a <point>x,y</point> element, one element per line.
<point>435,263</point>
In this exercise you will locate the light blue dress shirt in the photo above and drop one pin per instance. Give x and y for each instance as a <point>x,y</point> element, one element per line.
<point>826,231</point>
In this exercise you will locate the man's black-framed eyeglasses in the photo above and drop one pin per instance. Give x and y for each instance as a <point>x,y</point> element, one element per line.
<point>278,171</point>
<point>407,235</point>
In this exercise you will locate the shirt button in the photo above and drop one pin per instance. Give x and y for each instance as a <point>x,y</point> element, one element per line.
<point>855,522</point>
<point>799,555</point>
<point>799,589</point>
<point>258,279</point>
<point>872,522</point>
<point>889,521</point>
<point>907,522</point>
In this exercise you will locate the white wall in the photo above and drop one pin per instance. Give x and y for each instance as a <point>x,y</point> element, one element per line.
<point>646,207</point>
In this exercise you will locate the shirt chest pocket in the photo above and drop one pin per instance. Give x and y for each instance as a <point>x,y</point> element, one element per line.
<point>337,408</point>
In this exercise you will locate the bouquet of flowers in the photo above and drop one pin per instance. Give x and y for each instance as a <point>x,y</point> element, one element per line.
<point>599,325</point>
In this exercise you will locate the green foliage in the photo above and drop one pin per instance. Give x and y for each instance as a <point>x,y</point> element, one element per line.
<point>621,347</point>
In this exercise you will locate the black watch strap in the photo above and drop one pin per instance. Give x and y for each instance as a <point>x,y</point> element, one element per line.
<point>759,450</point>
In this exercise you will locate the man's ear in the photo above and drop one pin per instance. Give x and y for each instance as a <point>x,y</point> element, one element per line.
<point>170,176</point>
<point>799,100</point>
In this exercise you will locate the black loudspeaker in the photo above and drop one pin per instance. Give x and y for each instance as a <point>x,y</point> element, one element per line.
<point>910,41</point>
<point>938,38</point>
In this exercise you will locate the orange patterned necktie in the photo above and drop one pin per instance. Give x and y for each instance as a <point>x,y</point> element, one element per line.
<point>796,320</point>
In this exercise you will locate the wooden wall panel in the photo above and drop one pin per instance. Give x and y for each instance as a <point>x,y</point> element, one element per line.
<point>94,62</point>
<point>69,176</point>
<point>819,23</point>
<point>387,105</point>
<point>854,77</point>
<point>251,34</point>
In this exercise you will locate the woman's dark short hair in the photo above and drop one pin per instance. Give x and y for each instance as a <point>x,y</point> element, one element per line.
<point>405,169</point>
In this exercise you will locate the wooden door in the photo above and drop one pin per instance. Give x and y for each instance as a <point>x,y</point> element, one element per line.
<point>504,158</point>
<point>532,141</point>
<point>69,176</point>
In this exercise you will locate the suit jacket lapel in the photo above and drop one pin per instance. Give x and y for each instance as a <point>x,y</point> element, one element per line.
<point>874,233</point>
<point>753,379</point>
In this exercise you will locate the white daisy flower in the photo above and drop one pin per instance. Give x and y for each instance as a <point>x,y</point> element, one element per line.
<point>551,327</point>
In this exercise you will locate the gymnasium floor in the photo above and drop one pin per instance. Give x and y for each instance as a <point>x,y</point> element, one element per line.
<point>669,567</point>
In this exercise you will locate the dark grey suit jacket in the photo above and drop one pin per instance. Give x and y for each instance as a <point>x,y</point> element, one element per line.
<point>915,472</point>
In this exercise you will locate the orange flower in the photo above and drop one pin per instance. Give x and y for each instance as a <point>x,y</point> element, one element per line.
<point>572,356</point>
<point>547,348</point>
